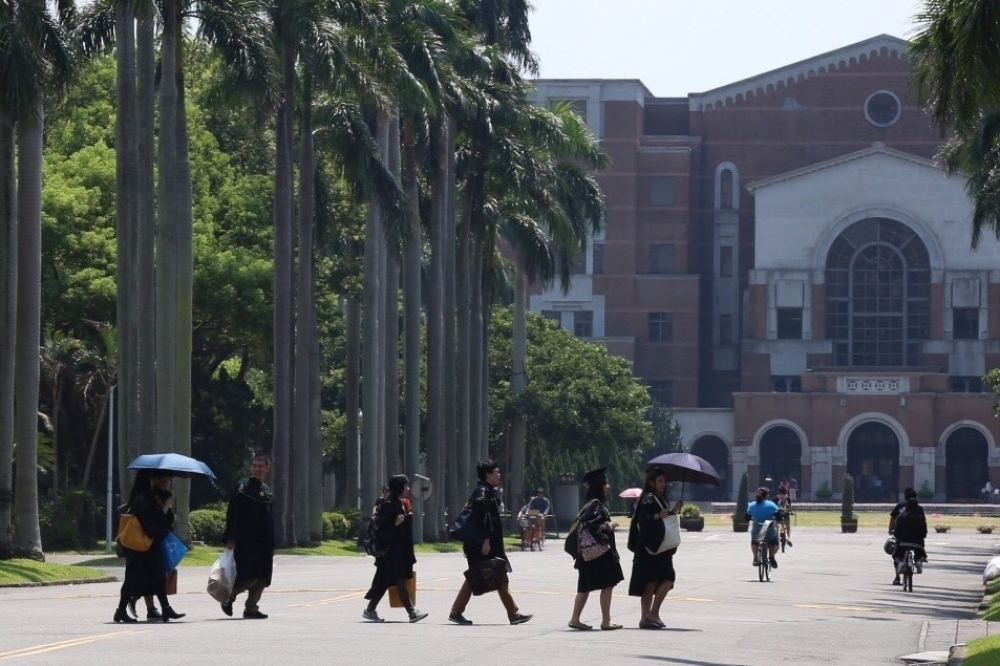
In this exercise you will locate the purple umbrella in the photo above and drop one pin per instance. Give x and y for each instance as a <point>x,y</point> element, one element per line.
<point>686,468</point>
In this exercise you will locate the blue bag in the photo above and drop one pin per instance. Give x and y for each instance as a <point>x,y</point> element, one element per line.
<point>173,550</point>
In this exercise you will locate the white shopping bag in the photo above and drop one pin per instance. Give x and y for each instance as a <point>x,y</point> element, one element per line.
<point>223,577</point>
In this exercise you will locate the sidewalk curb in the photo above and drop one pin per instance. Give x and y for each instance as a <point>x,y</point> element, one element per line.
<point>50,583</point>
<point>956,655</point>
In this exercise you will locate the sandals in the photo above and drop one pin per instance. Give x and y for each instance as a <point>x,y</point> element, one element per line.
<point>646,624</point>
<point>580,626</point>
<point>611,627</point>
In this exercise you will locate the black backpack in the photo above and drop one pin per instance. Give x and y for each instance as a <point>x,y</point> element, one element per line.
<point>367,538</point>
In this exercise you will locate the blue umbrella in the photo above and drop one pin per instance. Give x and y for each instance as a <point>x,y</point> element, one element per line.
<point>174,463</point>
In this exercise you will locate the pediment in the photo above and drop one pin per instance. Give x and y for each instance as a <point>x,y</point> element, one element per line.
<point>842,58</point>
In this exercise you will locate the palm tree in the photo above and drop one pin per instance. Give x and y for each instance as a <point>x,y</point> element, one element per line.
<point>59,356</point>
<point>954,58</point>
<point>98,381</point>
<point>8,314</point>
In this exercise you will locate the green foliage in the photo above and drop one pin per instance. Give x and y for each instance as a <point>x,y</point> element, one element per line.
<point>926,493</point>
<point>582,407</point>
<point>824,492</point>
<point>341,523</point>
<point>742,498</point>
<point>847,500</point>
<point>690,511</point>
<point>67,523</point>
<point>208,526</point>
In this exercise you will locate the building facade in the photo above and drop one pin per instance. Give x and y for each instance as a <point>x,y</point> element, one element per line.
<point>791,273</point>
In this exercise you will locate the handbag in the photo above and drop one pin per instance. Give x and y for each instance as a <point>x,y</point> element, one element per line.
<point>411,591</point>
<point>131,535</point>
<point>170,584</point>
<point>590,547</point>
<point>222,577</point>
<point>572,542</point>
<point>487,576</point>
<point>671,535</point>
<point>464,528</point>
<point>173,550</point>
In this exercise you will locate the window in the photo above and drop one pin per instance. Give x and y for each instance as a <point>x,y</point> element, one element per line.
<point>882,108</point>
<point>726,261</point>
<point>583,324</point>
<point>578,265</point>
<point>726,189</point>
<point>877,295</point>
<point>661,259</point>
<point>789,323</point>
<point>598,258</point>
<point>965,323</point>
<point>554,315</point>
<point>661,191</point>
<point>662,391</point>
<point>965,384</point>
<point>661,326</point>
<point>726,330</point>
<point>780,384</point>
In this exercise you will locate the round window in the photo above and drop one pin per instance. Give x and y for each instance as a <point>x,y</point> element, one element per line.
<point>882,108</point>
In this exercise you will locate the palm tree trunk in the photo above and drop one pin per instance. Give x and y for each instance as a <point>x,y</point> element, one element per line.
<point>517,383</point>
<point>316,471</point>
<point>92,451</point>
<point>437,376</point>
<point>451,443</point>
<point>352,385</point>
<point>303,402</point>
<point>126,210</point>
<point>283,281</point>
<point>27,534</point>
<point>393,460</point>
<point>8,315</point>
<point>371,351</point>
<point>412,255</point>
<point>476,444</point>
<point>461,458</point>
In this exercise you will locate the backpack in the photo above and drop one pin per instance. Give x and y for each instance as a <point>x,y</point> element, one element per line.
<point>367,538</point>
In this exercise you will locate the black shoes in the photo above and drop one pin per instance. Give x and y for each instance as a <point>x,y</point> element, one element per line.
<point>895,581</point>
<point>254,615</point>
<point>458,618</point>
<point>170,614</point>
<point>121,615</point>
<point>227,608</point>
<point>520,619</point>
<point>774,563</point>
<point>153,614</point>
<point>416,615</point>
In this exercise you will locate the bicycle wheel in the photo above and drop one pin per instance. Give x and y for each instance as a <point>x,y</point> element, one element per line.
<point>761,562</point>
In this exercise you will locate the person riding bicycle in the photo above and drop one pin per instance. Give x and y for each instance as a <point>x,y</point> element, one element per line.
<point>909,526</point>
<point>761,510</point>
<point>914,511</point>
<point>783,518</point>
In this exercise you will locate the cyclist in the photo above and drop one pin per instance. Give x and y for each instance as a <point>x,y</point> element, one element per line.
<point>783,518</point>
<point>908,525</point>
<point>899,509</point>
<point>760,510</point>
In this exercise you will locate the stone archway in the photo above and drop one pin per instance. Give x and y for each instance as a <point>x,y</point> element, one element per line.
<point>780,456</point>
<point>715,451</point>
<point>873,461</point>
<point>966,464</point>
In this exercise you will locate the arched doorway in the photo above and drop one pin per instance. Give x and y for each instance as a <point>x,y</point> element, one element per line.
<point>966,455</point>
<point>715,451</point>
<point>873,461</point>
<point>780,456</point>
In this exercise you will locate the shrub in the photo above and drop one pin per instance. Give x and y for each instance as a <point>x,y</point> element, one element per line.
<point>824,492</point>
<point>742,501</point>
<point>926,493</point>
<point>690,511</point>
<point>847,500</point>
<point>337,525</point>
<point>67,523</point>
<point>208,526</point>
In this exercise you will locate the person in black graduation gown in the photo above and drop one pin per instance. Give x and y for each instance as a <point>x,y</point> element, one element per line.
<point>603,572</point>
<point>250,534</point>
<point>394,536</point>
<point>652,574</point>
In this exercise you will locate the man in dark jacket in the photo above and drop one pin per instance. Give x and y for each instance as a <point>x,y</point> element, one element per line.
<point>250,532</point>
<point>486,544</point>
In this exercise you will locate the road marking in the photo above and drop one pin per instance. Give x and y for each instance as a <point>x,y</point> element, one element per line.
<point>332,600</point>
<point>62,645</point>
<point>863,609</point>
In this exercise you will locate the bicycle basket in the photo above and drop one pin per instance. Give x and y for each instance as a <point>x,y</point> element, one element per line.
<point>889,546</point>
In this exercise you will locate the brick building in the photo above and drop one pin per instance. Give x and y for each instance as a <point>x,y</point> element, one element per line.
<point>790,272</point>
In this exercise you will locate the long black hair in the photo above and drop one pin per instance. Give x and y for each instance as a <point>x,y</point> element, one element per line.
<point>397,484</point>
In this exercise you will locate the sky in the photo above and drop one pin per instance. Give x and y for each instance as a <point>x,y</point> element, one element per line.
<point>676,47</point>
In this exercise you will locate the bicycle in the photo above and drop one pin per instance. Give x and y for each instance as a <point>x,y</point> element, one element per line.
<point>783,532</point>
<point>763,551</point>
<point>907,566</point>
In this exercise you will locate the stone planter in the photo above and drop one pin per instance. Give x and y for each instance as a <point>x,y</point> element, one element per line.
<point>693,524</point>
<point>941,529</point>
<point>740,526</point>
<point>985,529</point>
<point>848,526</point>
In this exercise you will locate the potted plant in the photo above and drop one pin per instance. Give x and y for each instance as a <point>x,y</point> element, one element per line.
<point>926,493</point>
<point>691,518</point>
<point>941,529</point>
<point>740,523</point>
<point>848,519</point>
<point>985,529</point>
<point>824,493</point>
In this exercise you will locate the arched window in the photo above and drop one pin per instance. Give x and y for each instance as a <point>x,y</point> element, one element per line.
<point>877,295</point>
<point>726,189</point>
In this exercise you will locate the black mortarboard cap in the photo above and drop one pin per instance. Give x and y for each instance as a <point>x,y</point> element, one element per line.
<point>596,476</point>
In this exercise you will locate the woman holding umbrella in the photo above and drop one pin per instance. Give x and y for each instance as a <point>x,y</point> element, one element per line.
<point>145,572</point>
<point>653,575</point>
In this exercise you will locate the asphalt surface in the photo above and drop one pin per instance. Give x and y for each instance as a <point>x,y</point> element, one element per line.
<point>829,602</point>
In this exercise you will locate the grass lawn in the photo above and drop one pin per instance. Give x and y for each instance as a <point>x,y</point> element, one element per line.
<point>983,651</point>
<point>30,571</point>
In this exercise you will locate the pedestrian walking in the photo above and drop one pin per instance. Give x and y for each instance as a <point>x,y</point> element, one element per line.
<point>598,568</point>
<point>653,574</point>
<point>395,559</point>
<point>250,535</point>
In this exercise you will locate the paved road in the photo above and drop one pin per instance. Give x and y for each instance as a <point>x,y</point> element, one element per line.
<point>830,602</point>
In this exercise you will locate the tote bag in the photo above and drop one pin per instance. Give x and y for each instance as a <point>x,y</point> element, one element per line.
<point>174,551</point>
<point>411,590</point>
<point>131,535</point>
<point>671,533</point>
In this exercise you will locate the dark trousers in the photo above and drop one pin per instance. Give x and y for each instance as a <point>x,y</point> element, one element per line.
<point>378,590</point>
<point>254,589</point>
<point>464,594</point>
